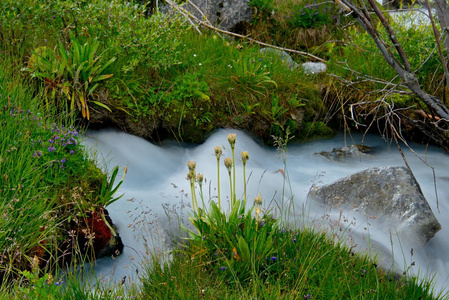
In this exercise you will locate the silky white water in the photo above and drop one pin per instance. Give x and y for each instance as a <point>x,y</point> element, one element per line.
<point>156,193</point>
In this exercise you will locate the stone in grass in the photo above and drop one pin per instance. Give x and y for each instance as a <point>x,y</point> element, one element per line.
<point>286,59</point>
<point>314,67</point>
<point>391,194</point>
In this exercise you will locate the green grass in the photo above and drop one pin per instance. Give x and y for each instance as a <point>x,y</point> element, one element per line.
<point>305,263</point>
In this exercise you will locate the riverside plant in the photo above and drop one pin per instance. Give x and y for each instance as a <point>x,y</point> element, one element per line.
<point>232,239</point>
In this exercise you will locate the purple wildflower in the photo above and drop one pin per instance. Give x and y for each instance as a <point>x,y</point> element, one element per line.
<point>63,160</point>
<point>37,153</point>
<point>51,148</point>
<point>59,283</point>
<point>273,258</point>
<point>223,268</point>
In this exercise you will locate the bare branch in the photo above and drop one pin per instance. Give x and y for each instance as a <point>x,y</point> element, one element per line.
<point>409,78</point>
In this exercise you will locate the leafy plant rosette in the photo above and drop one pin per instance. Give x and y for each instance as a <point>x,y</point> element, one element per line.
<point>70,77</point>
<point>238,244</point>
<point>251,76</point>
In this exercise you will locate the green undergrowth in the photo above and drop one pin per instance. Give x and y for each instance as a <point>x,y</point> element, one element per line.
<point>103,58</point>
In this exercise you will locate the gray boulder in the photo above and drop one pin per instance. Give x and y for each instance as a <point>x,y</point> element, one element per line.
<point>391,194</point>
<point>225,14</point>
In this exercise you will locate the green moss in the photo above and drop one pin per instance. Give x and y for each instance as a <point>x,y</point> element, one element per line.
<point>316,129</point>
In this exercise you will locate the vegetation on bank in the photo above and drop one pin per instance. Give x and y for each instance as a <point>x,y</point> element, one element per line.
<point>71,64</point>
<point>49,187</point>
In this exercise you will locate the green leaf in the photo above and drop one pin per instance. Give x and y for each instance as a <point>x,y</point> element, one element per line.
<point>102,105</point>
<point>244,249</point>
<point>101,77</point>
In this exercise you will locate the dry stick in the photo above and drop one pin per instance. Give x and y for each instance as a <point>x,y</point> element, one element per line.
<point>184,13</point>
<point>395,134</point>
<point>262,43</point>
<point>189,15</point>
<point>199,11</point>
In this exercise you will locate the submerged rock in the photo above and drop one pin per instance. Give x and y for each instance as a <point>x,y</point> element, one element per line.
<point>340,154</point>
<point>391,194</point>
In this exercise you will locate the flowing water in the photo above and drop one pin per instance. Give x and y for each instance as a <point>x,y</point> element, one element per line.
<point>156,193</point>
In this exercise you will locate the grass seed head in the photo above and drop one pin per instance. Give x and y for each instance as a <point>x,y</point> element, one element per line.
<point>231,139</point>
<point>258,200</point>
<point>245,156</point>
<point>228,163</point>
<point>218,152</point>
<point>191,165</point>
<point>199,178</point>
<point>191,175</point>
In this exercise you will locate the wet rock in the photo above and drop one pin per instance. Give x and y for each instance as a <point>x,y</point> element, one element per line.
<point>114,246</point>
<point>92,236</point>
<point>391,194</point>
<point>340,154</point>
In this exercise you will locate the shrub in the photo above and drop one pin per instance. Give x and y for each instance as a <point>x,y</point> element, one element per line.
<point>312,15</point>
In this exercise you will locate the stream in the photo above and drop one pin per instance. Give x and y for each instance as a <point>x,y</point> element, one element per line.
<point>156,193</point>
